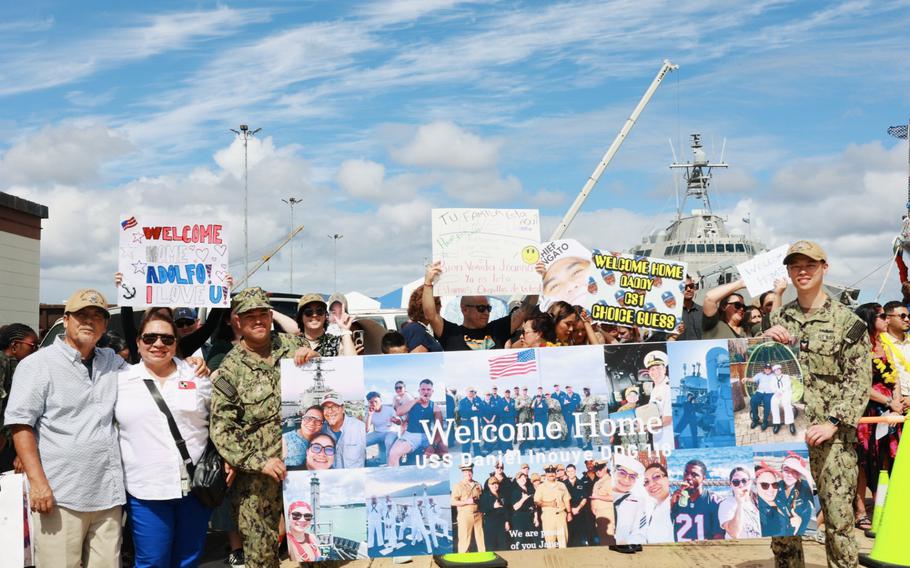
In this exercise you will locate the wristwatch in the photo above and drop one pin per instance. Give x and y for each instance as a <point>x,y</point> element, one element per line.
<point>834,420</point>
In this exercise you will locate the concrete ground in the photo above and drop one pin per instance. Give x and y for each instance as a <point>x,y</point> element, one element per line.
<point>718,554</point>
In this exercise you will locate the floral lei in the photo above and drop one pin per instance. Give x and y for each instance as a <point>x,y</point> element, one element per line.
<point>894,354</point>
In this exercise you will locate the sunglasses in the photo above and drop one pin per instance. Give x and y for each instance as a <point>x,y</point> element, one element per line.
<point>305,516</point>
<point>482,308</point>
<point>691,286</point>
<point>319,448</point>
<point>882,316</point>
<point>902,316</point>
<point>740,481</point>
<point>311,419</point>
<point>184,322</point>
<point>765,485</point>
<point>399,387</point>
<point>151,338</point>
<point>313,312</point>
<point>737,305</point>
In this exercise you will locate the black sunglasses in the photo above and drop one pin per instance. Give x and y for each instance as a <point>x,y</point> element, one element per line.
<point>737,305</point>
<point>765,485</point>
<point>737,482</point>
<point>306,516</point>
<point>151,338</point>
<point>310,312</point>
<point>691,286</point>
<point>482,308</point>
<point>882,316</point>
<point>319,448</point>
<point>902,316</point>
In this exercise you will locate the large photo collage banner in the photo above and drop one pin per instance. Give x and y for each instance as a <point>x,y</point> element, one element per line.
<point>431,453</point>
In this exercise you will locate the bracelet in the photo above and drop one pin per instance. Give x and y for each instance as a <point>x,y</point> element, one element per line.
<point>346,333</point>
<point>428,284</point>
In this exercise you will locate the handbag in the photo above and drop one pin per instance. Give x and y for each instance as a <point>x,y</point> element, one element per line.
<point>207,479</point>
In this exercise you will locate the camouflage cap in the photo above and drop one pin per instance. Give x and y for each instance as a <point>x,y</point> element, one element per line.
<point>250,299</point>
<point>86,298</point>
<point>811,249</point>
<point>309,299</point>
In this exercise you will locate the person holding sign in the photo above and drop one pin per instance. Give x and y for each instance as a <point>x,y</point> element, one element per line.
<point>477,331</point>
<point>834,348</point>
<point>724,312</point>
<point>246,422</point>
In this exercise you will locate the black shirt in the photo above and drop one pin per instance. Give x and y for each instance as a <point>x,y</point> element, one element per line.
<point>494,335</point>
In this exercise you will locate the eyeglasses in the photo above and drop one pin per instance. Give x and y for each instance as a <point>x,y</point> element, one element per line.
<point>737,305</point>
<point>305,516</point>
<point>482,308</point>
<point>654,479</point>
<point>311,419</point>
<point>31,346</point>
<point>807,268</point>
<point>765,485</point>
<point>313,312</point>
<point>902,316</point>
<point>737,481</point>
<point>628,475</point>
<point>319,449</point>
<point>184,322</point>
<point>166,338</point>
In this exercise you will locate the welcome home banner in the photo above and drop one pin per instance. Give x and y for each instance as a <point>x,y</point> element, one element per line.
<point>646,443</point>
<point>172,262</point>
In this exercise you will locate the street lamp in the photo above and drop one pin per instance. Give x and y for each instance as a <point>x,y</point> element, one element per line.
<point>335,238</point>
<point>245,133</point>
<point>292,201</point>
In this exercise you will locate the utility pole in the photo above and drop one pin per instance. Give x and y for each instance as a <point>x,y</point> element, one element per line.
<point>246,133</point>
<point>292,201</point>
<point>335,238</point>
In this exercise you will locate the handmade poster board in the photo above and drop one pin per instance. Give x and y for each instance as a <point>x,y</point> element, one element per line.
<point>760,272</point>
<point>173,262</point>
<point>486,251</point>
<point>646,415</point>
<point>615,288</point>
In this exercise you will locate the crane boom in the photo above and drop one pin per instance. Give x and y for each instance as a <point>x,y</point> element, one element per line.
<point>266,258</point>
<point>611,151</point>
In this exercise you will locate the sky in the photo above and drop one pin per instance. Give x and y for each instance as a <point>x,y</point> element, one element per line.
<point>373,113</point>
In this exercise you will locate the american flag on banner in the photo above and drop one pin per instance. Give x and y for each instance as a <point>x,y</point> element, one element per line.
<point>522,362</point>
<point>129,223</point>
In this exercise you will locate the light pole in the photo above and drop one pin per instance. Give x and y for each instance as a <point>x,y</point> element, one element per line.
<point>292,201</point>
<point>335,238</point>
<point>245,133</point>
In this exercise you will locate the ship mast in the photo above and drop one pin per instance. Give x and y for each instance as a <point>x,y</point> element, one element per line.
<point>698,176</point>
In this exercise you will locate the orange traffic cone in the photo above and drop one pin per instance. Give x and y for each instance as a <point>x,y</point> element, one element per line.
<point>890,548</point>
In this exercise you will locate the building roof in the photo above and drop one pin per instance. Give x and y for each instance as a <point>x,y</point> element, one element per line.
<point>23,205</point>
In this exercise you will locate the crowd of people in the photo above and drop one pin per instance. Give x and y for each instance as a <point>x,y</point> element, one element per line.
<point>75,441</point>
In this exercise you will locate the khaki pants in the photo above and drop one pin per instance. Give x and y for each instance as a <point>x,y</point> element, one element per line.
<point>72,539</point>
<point>554,527</point>
<point>470,522</point>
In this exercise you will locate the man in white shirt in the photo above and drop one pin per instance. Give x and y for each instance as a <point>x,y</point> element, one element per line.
<point>897,345</point>
<point>782,398</point>
<point>656,363</point>
<point>766,384</point>
<point>629,500</point>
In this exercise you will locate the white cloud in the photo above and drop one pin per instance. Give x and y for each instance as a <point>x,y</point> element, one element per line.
<point>446,145</point>
<point>361,178</point>
<point>66,154</point>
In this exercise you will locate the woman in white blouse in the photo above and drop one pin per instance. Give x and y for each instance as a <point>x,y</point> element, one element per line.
<point>169,524</point>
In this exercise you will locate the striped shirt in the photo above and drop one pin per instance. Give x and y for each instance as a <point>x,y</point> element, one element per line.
<point>73,417</point>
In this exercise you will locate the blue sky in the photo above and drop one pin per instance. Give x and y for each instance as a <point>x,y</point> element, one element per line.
<point>374,112</point>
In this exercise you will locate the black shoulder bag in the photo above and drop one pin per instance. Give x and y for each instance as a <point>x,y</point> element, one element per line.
<point>208,481</point>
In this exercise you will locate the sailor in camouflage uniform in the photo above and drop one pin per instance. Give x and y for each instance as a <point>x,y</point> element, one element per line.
<point>246,423</point>
<point>835,355</point>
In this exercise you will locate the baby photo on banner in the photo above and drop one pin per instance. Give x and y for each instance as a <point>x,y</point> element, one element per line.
<point>173,262</point>
<point>406,409</point>
<point>702,400</point>
<point>408,511</point>
<point>320,401</point>
<point>325,515</point>
<point>767,390</point>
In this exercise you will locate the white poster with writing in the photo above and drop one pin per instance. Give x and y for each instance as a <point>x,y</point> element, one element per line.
<point>16,549</point>
<point>171,262</point>
<point>486,251</point>
<point>760,272</point>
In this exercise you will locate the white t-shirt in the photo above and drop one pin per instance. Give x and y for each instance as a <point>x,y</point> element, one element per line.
<point>751,523</point>
<point>660,524</point>
<point>151,461</point>
<point>660,397</point>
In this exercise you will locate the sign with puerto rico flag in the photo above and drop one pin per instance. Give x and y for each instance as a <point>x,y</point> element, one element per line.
<point>172,262</point>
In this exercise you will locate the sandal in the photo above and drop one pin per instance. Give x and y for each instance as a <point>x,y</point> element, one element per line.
<point>863,523</point>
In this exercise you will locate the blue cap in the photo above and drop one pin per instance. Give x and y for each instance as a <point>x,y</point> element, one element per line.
<point>185,313</point>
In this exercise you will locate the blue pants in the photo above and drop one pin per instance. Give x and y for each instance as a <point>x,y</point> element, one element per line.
<point>168,533</point>
<point>761,398</point>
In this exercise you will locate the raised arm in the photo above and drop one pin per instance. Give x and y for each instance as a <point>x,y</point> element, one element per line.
<point>715,295</point>
<point>524,311</point>
<point>429,303</point>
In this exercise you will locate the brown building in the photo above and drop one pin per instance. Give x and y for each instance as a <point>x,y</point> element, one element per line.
<point>20,259</point>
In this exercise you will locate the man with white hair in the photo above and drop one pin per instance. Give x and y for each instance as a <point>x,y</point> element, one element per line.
<point>782,398</point>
